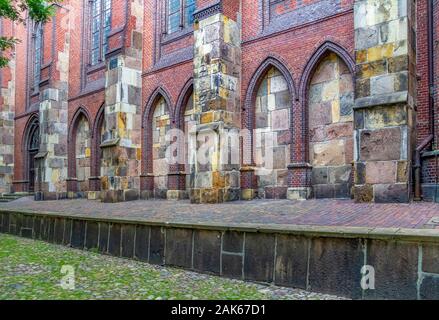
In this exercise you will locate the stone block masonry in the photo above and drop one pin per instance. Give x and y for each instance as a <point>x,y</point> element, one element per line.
<point>7,114</point>
<point>385,97</point>
<point>51,160</point>
<point>217,70</point>
<point>400,263</point>
<point>121,145</point>
<point>283,106</point>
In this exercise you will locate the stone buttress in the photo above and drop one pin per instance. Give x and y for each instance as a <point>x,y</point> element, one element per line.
<point>385,39</point>
<point>120,167</point>
<point>215,175</point>
<point>51,161</point>
<point>7,114</point>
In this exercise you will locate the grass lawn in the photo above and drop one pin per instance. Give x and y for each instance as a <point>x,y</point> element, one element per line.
<point>32,270</point>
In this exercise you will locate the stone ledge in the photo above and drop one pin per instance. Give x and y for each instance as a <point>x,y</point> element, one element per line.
<point>384,99</point>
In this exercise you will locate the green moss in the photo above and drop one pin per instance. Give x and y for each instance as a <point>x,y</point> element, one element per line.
<point>32,270</point>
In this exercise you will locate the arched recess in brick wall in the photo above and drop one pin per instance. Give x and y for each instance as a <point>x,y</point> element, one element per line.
<point>30,148</point>
<point>96,151</point>
<point>327,91</point>
<point>269,114</point>
<point>79,144</point>
<point>185,119</point>
<point>156,123</point>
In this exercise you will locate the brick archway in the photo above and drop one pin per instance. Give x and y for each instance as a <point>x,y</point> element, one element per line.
<point>147,177</point>
<point>249,180</point>
<point>327,98</point>
<point>72,180</point>
<point>30,148</point>
<point>307,74</point>
<point>95,183</point>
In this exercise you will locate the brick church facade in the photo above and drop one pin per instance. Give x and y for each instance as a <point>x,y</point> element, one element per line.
<point>290,99</point>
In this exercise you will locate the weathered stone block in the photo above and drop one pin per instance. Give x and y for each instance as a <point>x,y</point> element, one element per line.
<point>78,234</point>
<point>389,116</point>
<point>127,241</point>
<point>67,232</point>
<point>430,258</point>
<point>324,191</point>
<point>340,174</point>
<point>5,223</point>
<point>429,289</point>
<point>363,193</point>
<point>380,172</point>
<point>179,247</point>
<point>157,246</point>
<point>362,88</point>
<point>342,191</point>
<point>207,251</point>
<point>335,265</point>
<point>104,229</point>
<point>291,266</point>
<point>382,85</point>
<point>372,69</point>
<point>391,193</point>
<point>259,257</point>
<point>142,243</point>
<point>402,172</point>
<point>380,145</point>
<point>58,235</point>
<point>396,269</point>
<point>331,153</point>
<point>233,241</point>
<point>320,175</point>
<point>299,193</point>
<point>92,235</point>
<point>366,37</point>
<point>247,194</point>
<point>114,240</point>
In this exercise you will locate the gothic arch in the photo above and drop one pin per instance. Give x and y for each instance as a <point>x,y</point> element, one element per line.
<point>80,112</point>
<point>147,164</point>
<point>31,132</point>
<point>307,74</point>
<point>248,112</point>
<point>185,94</point>
<point>96,142</point>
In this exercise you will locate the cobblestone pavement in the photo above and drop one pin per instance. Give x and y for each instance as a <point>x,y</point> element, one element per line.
<point>312,212</point>
<point>31,270</point>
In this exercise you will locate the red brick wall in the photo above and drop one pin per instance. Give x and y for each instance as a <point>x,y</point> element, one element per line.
<point>430,165</point>
<point>294,46</point>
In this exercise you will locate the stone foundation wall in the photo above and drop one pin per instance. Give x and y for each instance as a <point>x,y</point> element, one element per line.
<point>385,96</point>
<point>405,262</point>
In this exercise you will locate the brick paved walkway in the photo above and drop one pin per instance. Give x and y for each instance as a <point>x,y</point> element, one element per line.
<point>312,212</point>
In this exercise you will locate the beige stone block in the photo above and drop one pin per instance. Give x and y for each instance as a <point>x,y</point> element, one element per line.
<point>330,90</point>
<point>330,153</point>
<point>381,172</point>
<point>247,194</point>
<point>271,100</point>
<point>335,108</point>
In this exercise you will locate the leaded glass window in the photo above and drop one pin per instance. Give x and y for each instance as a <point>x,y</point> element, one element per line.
<point>38,43</point>
<point>100,29</point>
<point>180,14</point>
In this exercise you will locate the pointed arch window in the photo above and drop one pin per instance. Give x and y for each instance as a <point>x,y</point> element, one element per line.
<point>100,26</point>
<point>180,14</point>
<point>38,45</point>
